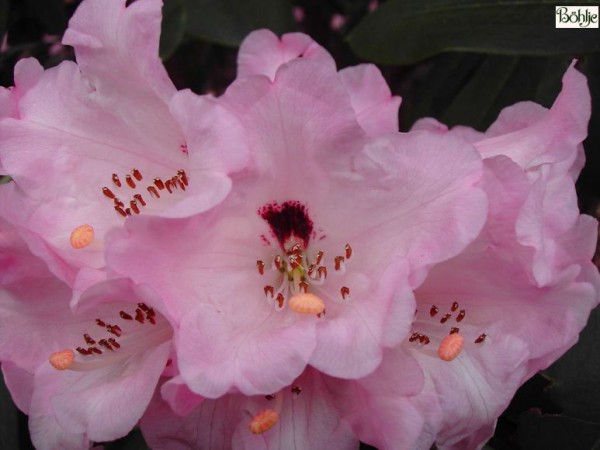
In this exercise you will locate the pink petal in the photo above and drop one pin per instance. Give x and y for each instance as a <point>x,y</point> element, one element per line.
<point>262,52</point>
<point>375,107</point>
<point>179,397</point>
<point>117,48</point>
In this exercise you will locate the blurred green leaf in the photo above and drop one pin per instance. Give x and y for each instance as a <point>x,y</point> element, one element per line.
<point>50,13</point>
<point>556,432</point>
<point>174,22</point>
<point>3,17</point>
<point>227,22</point>
<point>407,31</point>
<point>576,375</point>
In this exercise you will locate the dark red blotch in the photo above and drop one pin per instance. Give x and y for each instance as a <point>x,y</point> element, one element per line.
<point>287,220</point>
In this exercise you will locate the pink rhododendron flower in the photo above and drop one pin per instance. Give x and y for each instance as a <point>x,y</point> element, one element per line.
<point>106,364</point>
<point>95,142</point>
<point>302,415</point>
<point>311,258</point>
<point>491,317</point>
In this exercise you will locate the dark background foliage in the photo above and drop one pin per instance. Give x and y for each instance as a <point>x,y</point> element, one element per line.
<point>460,61</point>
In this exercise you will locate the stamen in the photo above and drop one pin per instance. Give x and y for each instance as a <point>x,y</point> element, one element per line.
<point>445,318</point>
<point>263,421</point>
<point>134,206</point>
<point>140,199</point>
<point>182,176</point>
<point>454,307</point>
<point>269,290</point>
<point>319,258</point>
<point>116,180</point>
<point>136,174</point>
<point>120,210</point>
<point>82,236</point>
<point>296,390</point>
<point>153,192</point>
<point>338,262</point>
<point>345,291</point>
<point>454,330</point>
<point>451,346</point>
<point>261,267</point>
<point>159,183</point>
<point>322,272</point>
<point>461,315</point>
<point>106,191</point>
<point>62,360</point>
<point>480,339</point>
<point>433,311</point>
<point>305,303</point>
<point>130,181</point>
<point>348,251</point>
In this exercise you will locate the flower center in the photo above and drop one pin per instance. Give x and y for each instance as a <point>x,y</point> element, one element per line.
<point>130,197</point>
<point>300,273</point>
<point>435,324</point>
<point>123,337</point>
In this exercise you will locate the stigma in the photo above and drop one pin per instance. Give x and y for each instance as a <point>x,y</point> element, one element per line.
<point>115,340</point>
<point>444,329</point>
<point>301,269</point>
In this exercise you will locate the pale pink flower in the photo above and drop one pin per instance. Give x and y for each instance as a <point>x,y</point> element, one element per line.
<point>521,293</point>
<point>111,364</point>
<point>324,209</point>
<point>112,125</point>
<point>303,415</point>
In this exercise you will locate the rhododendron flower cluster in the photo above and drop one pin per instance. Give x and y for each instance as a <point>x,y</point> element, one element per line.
<point>278,267</point>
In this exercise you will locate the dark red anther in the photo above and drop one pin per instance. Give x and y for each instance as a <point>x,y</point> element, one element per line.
<point>348,251</point>
<point>269,290</point>
<point>128,211</point>
<point>143,307</point>
<point>153,192</point>
<point>149,312</point>
<point>179,183</point>
<point>151,319</point>
<point>88,339</point>
<point>104,343</point>
<point>83,351</point>
<point>119,203</point>
<point>270,397</point>
<point>345,291</point>
<point>280,300</point>
<point>107,192</point>
<point>125,316</point>
<point>454,307</point>
<point>319,258</point>
<point>100,323</point>
<point>322,272</point>
<point>454,330</point>
<point>95,350</point>
<point>140,199</point>
<point>130,181</point>
<point>424,339</point>
<point>114,343</point>
<point>481,338</point>
<point>261,267</point>
<point>413,337</point>
<point>182,176</point>
<point>296,249</point>
<point>277,261</point>
<point>139,315</point>
<point>433,311</point>
<point>175,181</point>
<point>134,206</point>
<point>296,390</point>
<point>116,180</point>
<point>303,285</point>
<point>114,329</point>
<point>338,262</point>
<point>322,314</point>
<point>169,186</point>
<point>136,174</point>
<point>461,315</point>
<point>159,183</point>
<point>445,318</point>
<point>120,210</point>
<point>311,269</point>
